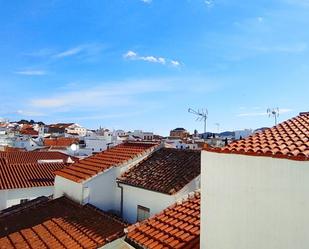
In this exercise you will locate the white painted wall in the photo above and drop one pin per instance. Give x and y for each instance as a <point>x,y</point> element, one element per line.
<point>103,190</point>
<point>3,199</point>
<point>254,202</point>
<point>12,197</point>
<point>155,201</point>
<point>100,190</point>
<point>68,188</point>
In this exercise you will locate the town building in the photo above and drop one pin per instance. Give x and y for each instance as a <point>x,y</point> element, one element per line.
<point>158,181</point>
<point>27,175</point>
<point>255,190</point>
<point>177,226</point>
<point>76,129</point>
<point>93,179</point>
<point>179,133</point>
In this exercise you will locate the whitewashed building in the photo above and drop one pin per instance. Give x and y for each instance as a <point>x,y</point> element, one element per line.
<point>255,191</point>
<point>93,179</point>
<point>76,129</point>
<point>157,182</point>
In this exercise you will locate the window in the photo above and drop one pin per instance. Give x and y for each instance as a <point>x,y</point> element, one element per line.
<point>142,213</point>
<point>23,201</point>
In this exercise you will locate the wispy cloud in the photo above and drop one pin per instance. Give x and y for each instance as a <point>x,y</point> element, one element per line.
<point>146,1</point>
<point>284,48</point>
<point>82,50</point>
<point>108,94</point>
<point>69,52</point>
<point>301,3</point>
<point>131,55</point>
<point>27,113</point>
<point>31,72</point>
<point>256,114</point>
<point>209,3</point>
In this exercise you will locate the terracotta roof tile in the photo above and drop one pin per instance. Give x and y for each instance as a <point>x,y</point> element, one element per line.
<point>289,139</point>
<point>175,227</point>
<point>58,223</point>
<point>24,169</point>
<point>61,141</point>
<point>17,157</point>
<point>166,170</point>
<point>29,131</point>
<point>114,156</point>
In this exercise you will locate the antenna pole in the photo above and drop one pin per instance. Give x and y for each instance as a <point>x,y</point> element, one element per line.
<point>205,121</point>
<point>201,116</point>
<point>274,112</point>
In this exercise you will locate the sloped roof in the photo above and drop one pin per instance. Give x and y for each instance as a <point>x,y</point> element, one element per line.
<point>29,131</point>
<point>61,141</point>
<point>27,175</point>
<point>59,223</point>
<point>289,139</point>
<point>112,157</point>
<point>29,169</point>
<point>22,157</point>
<point>177,226</point>
<point>166,170</point>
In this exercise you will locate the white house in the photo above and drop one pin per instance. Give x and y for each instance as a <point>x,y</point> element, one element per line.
<point>28,143</point>
<point>93,179</point>
<point>76,129</point>
<point>142,135</point>
<point>28,175</point>
<point>157,182</point>
<point>255,191</point>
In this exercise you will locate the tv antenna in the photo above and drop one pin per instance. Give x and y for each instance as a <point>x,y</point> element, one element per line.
<point>273,113</point>
<point>201,116</point>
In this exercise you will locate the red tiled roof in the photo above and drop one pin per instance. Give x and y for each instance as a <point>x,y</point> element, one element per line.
<point>27,175</point>
<point>61,141</point>
<point>28,169</point>
<point>22,157</point>
<point>95,164</point>
<point>175,227</point>
<point>166,170</point>
<point>289,139</point>
<point>58,223</point>
<point>29,131</point>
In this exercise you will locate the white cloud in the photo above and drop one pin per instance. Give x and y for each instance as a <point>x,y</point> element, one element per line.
<point>301,3</point>
<point>209,3</point>
<point>29,113</point>
<point>256,114</point>
<point>146,1</point>
<point>260,19</point>
<point>32,72</point>
<point>131,55</point>
<point>284,48</point>
<point>175,63</point>
<point>109,94</point>
<point>82,51</point>
<point>69,52</point>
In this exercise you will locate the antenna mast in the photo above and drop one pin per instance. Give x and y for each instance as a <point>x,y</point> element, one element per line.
<point>273,113</point>
<point>201,116</point>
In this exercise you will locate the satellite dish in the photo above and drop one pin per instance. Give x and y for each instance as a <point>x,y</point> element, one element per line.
<point>74,147</point>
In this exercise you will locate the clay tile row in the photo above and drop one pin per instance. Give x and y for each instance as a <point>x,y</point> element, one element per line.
<point>286,140</point>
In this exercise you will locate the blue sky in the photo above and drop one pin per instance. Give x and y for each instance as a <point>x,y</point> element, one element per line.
<point>140,64</point>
